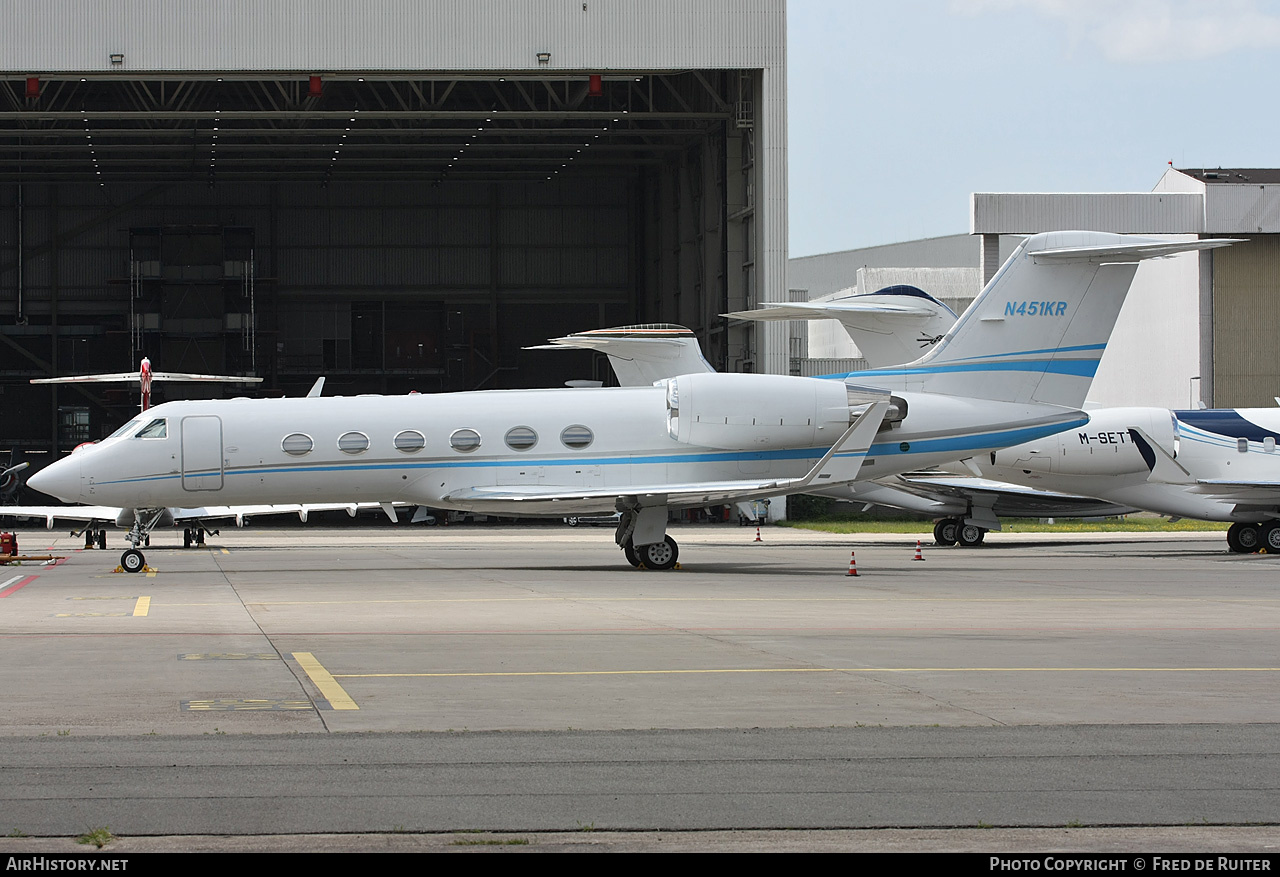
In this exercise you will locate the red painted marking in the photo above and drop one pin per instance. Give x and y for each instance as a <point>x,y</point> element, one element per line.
<point>22,584</point>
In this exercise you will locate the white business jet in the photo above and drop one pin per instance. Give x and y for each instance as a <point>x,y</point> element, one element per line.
<point>1014,368</point>
<point>1216,465</point>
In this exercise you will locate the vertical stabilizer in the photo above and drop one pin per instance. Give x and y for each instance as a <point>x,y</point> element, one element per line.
<point>1039,328</point>
<point>641,355</point>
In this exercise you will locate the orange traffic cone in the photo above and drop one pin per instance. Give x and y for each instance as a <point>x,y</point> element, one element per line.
<point>758,539</point>
<point>853,565</point>
<point>918,556</point>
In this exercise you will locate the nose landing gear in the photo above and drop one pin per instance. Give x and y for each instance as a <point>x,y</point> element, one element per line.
<point>144,521</point>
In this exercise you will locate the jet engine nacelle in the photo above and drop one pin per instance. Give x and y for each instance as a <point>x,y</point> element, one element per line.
<point>755,412</point>
<point>1103,446</point>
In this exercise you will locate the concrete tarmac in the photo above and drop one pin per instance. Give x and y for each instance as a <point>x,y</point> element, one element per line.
<point>299,681</point>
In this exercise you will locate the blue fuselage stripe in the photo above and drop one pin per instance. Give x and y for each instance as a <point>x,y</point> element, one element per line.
<point>962,443</point>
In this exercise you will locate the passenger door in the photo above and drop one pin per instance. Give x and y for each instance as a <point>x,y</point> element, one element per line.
<point>202,452</point>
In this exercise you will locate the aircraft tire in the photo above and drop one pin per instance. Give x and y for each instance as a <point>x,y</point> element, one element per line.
<point>102,539</point>
<point>659,555</point>
<point>970,536</point>
<point>1244,538</point>
<point>186,538</point>
<point>630,551</point>
<point>944,531</point>
<point>1270,533</point>
<point>132,560</point>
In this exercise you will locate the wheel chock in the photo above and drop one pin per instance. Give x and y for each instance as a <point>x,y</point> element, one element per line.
<point>677,566</point>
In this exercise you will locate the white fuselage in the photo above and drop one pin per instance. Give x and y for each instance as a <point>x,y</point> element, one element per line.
<point>1100,459</point>
<point>445,450</point>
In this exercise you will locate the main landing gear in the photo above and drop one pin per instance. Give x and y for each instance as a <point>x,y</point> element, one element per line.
<point>950,531</point>
<point>656,555</point>
<point>94,538</point>
<point>642,536</point>
<point>1248,538</point>
<point>194,536</point>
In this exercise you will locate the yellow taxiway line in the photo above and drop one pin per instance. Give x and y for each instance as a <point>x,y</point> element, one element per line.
<point>142,607</point>
<point>815,670</point>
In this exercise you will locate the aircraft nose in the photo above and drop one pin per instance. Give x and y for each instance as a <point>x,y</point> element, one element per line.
<point>60,479</point>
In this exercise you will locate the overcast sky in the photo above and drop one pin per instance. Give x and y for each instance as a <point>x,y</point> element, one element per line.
<point>899,110</point>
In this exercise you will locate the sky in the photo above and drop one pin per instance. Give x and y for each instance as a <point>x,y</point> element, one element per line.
<point>898,111</point>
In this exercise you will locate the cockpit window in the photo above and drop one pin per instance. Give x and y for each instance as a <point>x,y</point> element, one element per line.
<point>126,429</point>
<point>155,429</point>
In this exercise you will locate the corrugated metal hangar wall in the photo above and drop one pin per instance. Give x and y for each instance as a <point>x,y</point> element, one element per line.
<point>399,196</point>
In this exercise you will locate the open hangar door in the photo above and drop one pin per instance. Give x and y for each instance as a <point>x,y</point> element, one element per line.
<point>392,233</point>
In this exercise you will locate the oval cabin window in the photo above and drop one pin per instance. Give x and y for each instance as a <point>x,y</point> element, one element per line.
<point>297,444</point>
<point>409,441</point>
<point>353,443</point>
<point>521,438</point>
<point>464,440</point>
<point>577,437</point>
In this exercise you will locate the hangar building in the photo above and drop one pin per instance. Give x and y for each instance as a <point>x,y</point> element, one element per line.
<point>398,195</point>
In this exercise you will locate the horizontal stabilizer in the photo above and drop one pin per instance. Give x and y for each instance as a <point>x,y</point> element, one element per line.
<point>890,326</point>
<point>816,310</point>
<point>1134,252</point>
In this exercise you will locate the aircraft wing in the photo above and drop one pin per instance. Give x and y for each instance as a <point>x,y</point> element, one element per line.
<point>115,377</point>
<point>1011,500</point>
<point>109,514</point>
<point>1249,493</point>
<point>51,513</point>
<point>240,512</point>
<point>691,494</point>
<point>182,376</point>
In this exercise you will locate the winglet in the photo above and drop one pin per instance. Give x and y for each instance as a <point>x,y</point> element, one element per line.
<point>1164,469</point>
<point>856,439</point>
<point>316,388</point>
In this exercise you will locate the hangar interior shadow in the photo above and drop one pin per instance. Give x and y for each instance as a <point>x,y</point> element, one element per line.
<point>392,233</point>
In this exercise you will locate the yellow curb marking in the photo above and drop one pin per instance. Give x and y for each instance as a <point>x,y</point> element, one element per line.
<point>323,680</point>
